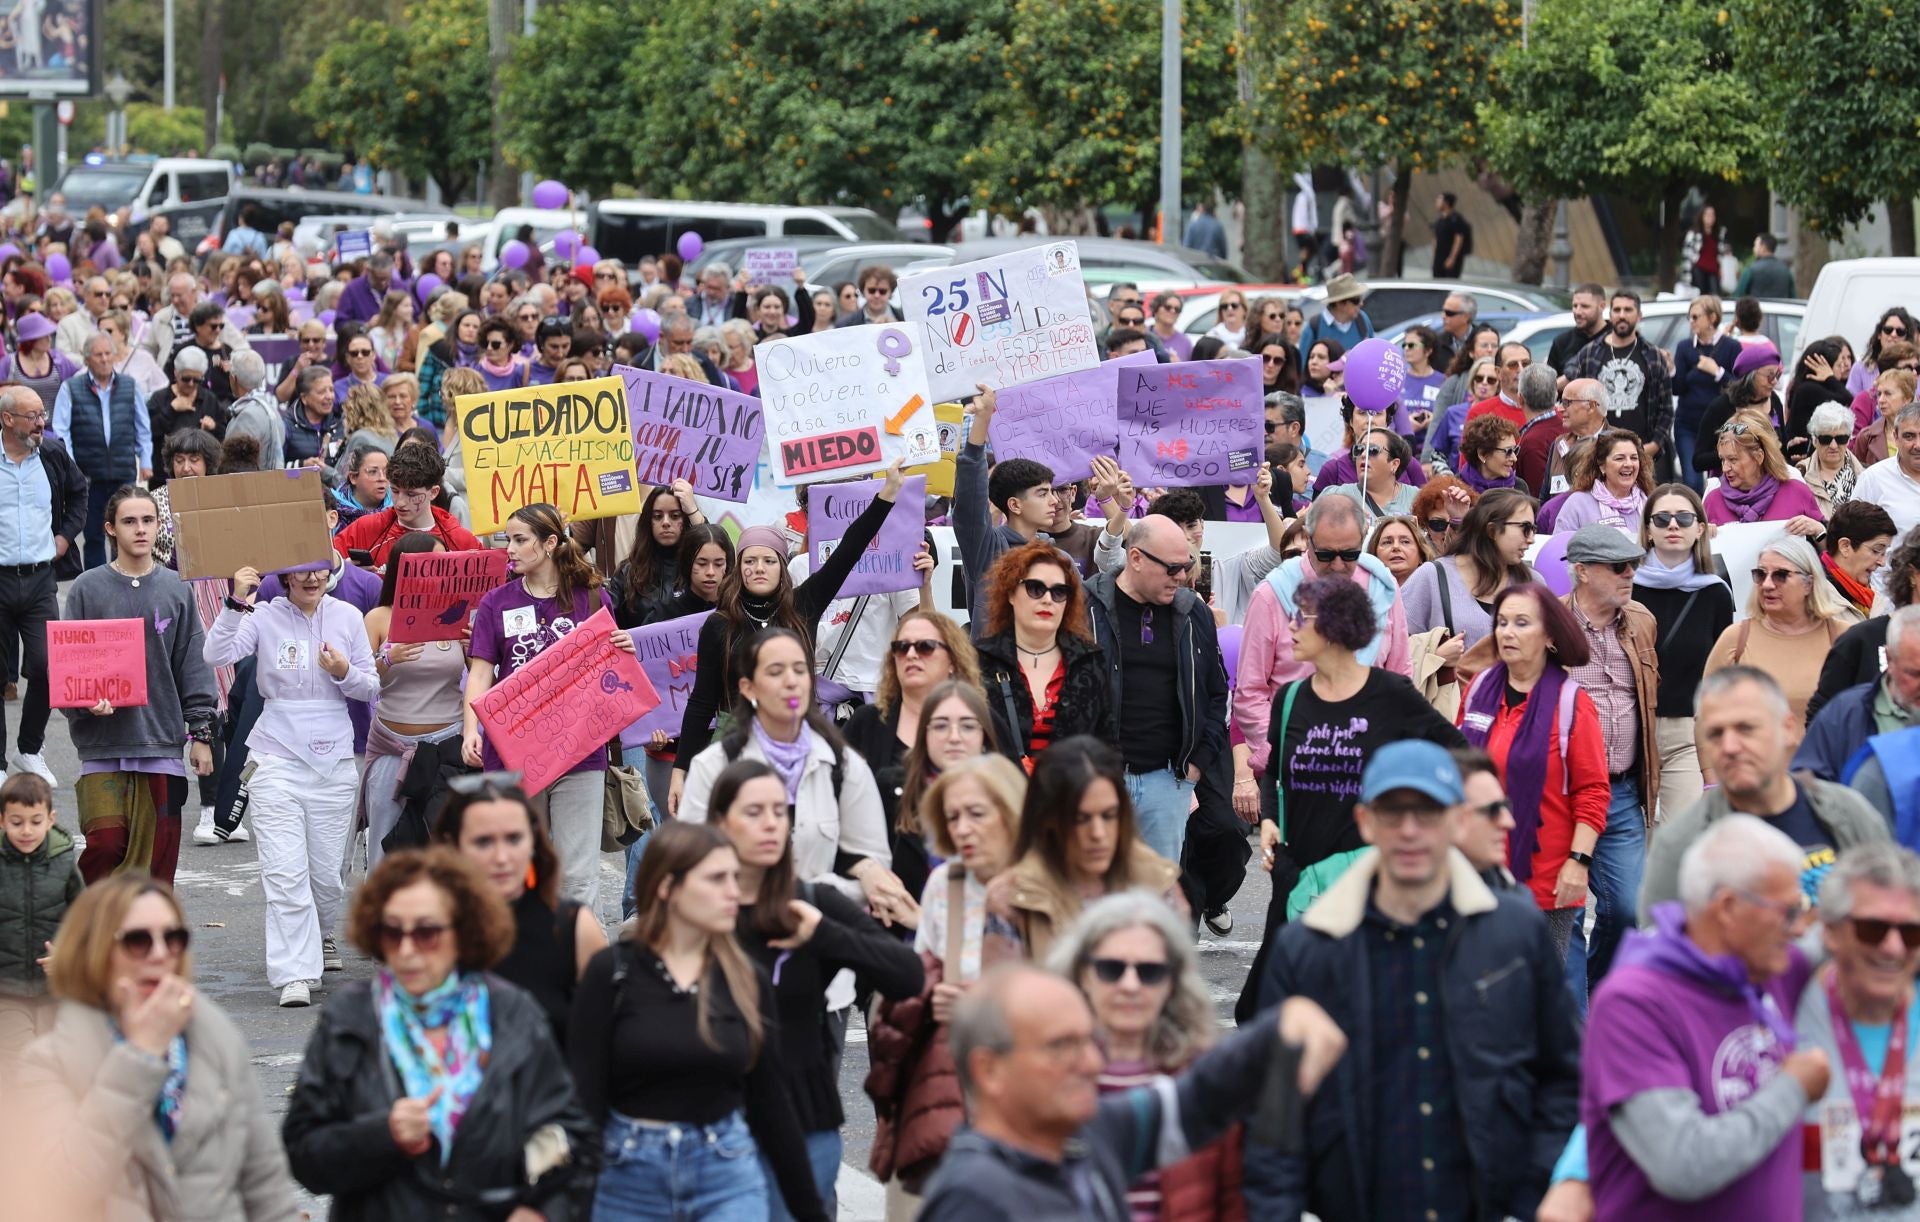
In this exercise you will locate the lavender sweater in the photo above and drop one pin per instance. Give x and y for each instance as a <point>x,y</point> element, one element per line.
<point>305,713</point>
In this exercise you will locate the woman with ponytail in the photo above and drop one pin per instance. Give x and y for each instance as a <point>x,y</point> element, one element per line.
<point>555,589</point>
<point>674,1053</point>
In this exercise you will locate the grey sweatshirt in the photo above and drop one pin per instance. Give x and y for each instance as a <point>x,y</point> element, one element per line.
<point>180,688</point>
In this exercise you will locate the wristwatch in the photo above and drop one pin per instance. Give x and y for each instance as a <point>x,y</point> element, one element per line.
<point>234,604</point>
<point>1585,859</point>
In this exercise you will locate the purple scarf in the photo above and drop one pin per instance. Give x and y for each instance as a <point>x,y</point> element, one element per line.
<point>787,759</point>
<point>1751,505</point>
<point>1666,948</point>
<point>1526,771</point>
<point>1470,475</point>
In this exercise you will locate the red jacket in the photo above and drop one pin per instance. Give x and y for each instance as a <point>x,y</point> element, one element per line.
<point>1583,799</point>
<point>377,532</point>
<point>1512,413</point>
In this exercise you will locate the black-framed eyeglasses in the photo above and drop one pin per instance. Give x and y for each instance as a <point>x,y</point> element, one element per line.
<point>1682,518</point>
<point>1231,305</point>
<point>1778,577</point>
<point>1174,568</point>
<point>1894,329</point>
<point>187,379</point>
<point>497,345</point>
<point>1132,320</point>
<point>140,942</point>
<point>1832,439</point>
<point>1620,567</point>
<point>1150,973</point>
<point>1527,529</point>
<point>1271,426</point>
<point>925,647</point>
<point>1327,555</point>
<point>353,352</point>
<point>1871,931</point>
<point>1453,313</point>
<point>1040,591</point>
<point>316,340</point>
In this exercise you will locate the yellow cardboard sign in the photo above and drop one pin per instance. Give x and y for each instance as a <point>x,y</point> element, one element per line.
<point>952,419</point>
<point>567,444</point>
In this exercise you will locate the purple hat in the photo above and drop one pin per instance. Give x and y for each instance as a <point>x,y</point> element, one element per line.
<point>34,326</point>
<point>1755,356</point>
<point>763,536</point>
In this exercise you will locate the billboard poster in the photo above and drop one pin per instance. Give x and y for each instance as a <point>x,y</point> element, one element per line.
<point>51,48</point>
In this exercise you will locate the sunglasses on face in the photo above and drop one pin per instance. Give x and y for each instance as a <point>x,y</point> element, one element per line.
<point>925,648</point>
<point>424,936</point>
<point>139,942</point>
<point>1231,305</point>
<point>358,352</point>
<point>1682,519</point>
<point>1491,811</point>
<point>1440,526</point>
<point>1836,439</point>
<point>1486,380</point>
<point>1173,569</point>
<point>1360,452</point>
<point>1894,329</point>
<point>1040,591</point>
<point>489,783</point>
<point>497,345</point>
<point>188,380</point>
<point>316,341</point>
<point>1527,529</point>
<point>1453,313</point>
<point>1509,451</point>
<point>1132,320</point>
<point>1872,932</point>
<point>1149,974</point>
<point>1327,555</point>
<point>1620,567</point>
<point>1778,577</point>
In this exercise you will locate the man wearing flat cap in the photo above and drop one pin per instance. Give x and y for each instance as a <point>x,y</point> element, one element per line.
<point>1623,678</point>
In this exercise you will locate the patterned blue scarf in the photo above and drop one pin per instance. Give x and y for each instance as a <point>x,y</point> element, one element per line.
<point>461,1006</point>
<point>173,1092</point>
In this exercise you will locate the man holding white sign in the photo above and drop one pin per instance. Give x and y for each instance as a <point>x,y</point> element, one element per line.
<point>1012,318</point>
<point>847,402</point>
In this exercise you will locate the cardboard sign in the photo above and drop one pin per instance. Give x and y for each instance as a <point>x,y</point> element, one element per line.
<point>436,593</point>
<point>710,437</point>
<point>274,521</point>
<point>568,444</point>
<point>668,652</point>
<point>847,402</point>
<point>1192,423</point>
<point>351,244</point>
<point>1063,421</point>
<point>557,709</point>
<point>887,565</point>
<point>1013,318</point>
<point>769,264</point>
<point>90,660</point>
<point>952,421</point>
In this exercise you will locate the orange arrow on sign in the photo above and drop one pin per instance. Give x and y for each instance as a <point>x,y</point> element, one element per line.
<point>897,423</point>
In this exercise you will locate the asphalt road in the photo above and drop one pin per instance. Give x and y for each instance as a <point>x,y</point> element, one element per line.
<point>220,888</point>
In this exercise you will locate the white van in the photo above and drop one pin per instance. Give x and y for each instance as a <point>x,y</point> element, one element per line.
<point>548,223</point>
<point>190,191</point>
<point>629,229</point>
<point>1851,295</point>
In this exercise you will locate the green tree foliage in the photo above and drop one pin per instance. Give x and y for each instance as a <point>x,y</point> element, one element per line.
<point>414,95</point>
<point>1635,97</point>
<point>1075,106</point>
<point>1840,100</point>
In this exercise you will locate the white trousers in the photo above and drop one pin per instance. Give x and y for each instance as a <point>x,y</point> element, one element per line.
<point>301,812</point>
<point>573,805</point>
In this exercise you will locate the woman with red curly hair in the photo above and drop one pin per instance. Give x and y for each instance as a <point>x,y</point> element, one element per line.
<point>1038,660</point>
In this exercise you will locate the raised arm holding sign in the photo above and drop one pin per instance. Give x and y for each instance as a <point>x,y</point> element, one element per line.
<point>1012,318</point>
<point>569,445</point>
<point>1192,424</point>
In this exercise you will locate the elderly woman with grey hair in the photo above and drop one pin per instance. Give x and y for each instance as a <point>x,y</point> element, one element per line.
<point>1832,469</point>
<point>256,412</point>
<point>184,403</point>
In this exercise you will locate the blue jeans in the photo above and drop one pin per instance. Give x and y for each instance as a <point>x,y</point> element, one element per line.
<point>678,1172</point>
<point>1161,803</point>
<point>823,1155</point>
<point>659,778</point>
<point>1684,437</point>
<point>1619,859</point>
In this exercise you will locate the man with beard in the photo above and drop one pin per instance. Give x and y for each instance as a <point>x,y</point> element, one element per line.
<point>1634,379</point>
<point>1589,320</point>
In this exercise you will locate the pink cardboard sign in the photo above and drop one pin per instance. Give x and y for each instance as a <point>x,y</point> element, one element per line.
<point>90,660</point>
<point>572,699</point>
<point>668,652</point>
<point>437,592</point>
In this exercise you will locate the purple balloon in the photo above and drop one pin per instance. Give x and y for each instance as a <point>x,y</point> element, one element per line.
<point>8,251</point>
<point>1376,373</point>
<point>647,323</point>
<point>690,246</point>
<point>565,243</point>
<point>296,292</point>
<point>327,316</point>
<point>1230,652</point>
<point>59,269</point>
<point>587,256</point>
<point>550,194</point>
<point>423,287</point>
<point>514,253</point>
<point>1551,563</point>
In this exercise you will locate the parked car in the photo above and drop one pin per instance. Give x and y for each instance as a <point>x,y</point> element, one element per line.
<point>548,224</point>
<point>733,252</point>
<point>1852,294</point>
<point>422,231</point>
<point>835,264</point>
<point>627,229</point>
<point>1392,301</point>
<point>274,205</point>
<point>1102,261</point>
<point>187,190</point>
<point>1662,323</point>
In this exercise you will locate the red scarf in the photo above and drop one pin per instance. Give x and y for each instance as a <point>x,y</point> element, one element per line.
<point>1860,596</point>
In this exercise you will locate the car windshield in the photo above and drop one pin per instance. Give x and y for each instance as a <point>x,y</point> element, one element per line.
<point>1222,271</point>
<point>868,228</point>
<point>86,186</point>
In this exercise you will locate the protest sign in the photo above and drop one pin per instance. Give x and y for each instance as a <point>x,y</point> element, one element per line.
<point>568,444</point>
<point>887,565</point>
<point>90,660</point>
<point>710,437</point>
<point>1737,547</point>
<point>557,709</point>
<point>951,420</point>
<point>1063,421</point>
<point>848,401</point>
<point>1191,424</point>
<point>771,264</point>
<point>274,521</point>
<point>436,592</point>
<point>351,244</point>
<point>668,652</point>
<point>1013,318</point>
<point>1326,431</point>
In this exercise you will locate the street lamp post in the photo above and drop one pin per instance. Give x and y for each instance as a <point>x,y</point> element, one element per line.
<point>118,90</point>
<point>1562,248</point>
<point>1170,122</point>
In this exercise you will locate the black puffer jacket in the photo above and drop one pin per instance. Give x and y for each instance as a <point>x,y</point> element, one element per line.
<point>1086,699</point>
<point>35,890</point>
<point>336,1126</point>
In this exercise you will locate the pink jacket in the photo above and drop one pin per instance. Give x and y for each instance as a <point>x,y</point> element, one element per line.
<point>1266,645</point>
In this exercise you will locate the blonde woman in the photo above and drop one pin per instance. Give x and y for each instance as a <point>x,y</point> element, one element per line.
<point>1893,389</point>
<point>739,337</point>
<point>680,365</point>
<point>401,394</point>
<point>456,383</point>
<point>1793,618</point>
<point>1756,485</point>
<point>1232,327</point>
<point>391,326</point>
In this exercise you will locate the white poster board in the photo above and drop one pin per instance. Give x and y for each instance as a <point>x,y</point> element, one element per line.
<point>846,402</point>
<point>1013,318</point>
<point>1326,431</point>
<point>771,264</point>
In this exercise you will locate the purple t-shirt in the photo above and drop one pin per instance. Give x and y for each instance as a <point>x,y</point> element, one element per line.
<point>1655,1030</point>
<point>511,628</point>
<point>1417,394</point>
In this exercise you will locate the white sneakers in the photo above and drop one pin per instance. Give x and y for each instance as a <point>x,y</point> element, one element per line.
<point>297,993</point>
<point>207,832</point>
<point>330,960</point>
<point>19,761</point>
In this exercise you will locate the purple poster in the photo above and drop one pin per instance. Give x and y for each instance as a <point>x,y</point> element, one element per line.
<point>1062,421</point>
<point>688,430</point>
<point>1192,424</point>
<point>888,565</point>
<point>667,652</point>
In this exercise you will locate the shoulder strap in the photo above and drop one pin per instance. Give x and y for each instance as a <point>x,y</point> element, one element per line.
<point>956,920</point>
<point>1674,628</point>
<point>1280,783</point>
<point>1446,593</point>
<point>1569,690</point>
<point>1740,640</point>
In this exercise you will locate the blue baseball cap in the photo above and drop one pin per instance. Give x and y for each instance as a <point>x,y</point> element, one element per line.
<point>1413,764</point>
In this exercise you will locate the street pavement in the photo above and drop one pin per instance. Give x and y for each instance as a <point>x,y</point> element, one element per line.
<point>219,885</point>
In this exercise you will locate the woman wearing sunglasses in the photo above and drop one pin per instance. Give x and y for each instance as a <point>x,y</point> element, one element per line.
<point>1439,507</point>
<point>1896,326</point>
<point>1489,453</point>
<point>1610,484</point>
<point>1232,328</point>
<point>1793,618</point>
<point>499,360</point>
<point>1756,485</point>
<point>1379,457</point>
<point>142,1096</point>
<point>436,1088</point>
<point>1691,607</point>
<point>1486,554</point>
<point>1038,660</point>
<point>1152,1015</point>
<point>459,348</point>
<point>182,405</point>
<point>1165,324</point>
<point>1832,469</point>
